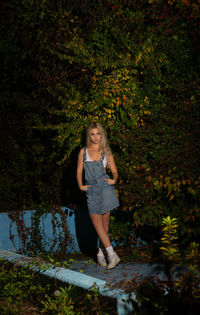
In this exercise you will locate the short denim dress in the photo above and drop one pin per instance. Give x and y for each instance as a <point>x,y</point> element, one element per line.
<point>101,197</point>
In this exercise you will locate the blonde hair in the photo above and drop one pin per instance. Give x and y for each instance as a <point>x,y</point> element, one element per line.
<point>104,146</point>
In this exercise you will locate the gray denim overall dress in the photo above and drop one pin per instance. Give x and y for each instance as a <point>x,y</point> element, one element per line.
<point>101,197</point>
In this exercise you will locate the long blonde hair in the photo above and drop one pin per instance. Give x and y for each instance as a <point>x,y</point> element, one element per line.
<point>104,145</point>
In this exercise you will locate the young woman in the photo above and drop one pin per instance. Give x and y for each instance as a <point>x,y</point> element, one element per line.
<point>99,188</point>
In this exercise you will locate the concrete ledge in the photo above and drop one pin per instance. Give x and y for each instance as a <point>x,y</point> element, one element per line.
<point>124,307</point>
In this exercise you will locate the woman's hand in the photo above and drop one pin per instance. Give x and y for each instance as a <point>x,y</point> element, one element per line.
<point>110,181</point>
<point>84,187</point>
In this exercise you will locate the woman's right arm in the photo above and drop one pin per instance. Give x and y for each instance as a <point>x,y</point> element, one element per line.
<point>79,172</point>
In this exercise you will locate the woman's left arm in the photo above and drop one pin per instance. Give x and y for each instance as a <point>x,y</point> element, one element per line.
<point>113,168</point>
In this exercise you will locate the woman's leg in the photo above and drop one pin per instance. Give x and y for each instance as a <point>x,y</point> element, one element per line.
<point>105,219</point>
<point>113,258</point>
<point>101,223</point>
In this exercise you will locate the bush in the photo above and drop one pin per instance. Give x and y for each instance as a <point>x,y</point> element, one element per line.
<point>134,67</point>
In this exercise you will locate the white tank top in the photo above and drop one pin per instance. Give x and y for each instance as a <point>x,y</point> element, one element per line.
<point>89,159</point>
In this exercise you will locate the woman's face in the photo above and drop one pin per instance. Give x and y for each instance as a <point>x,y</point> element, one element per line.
<point>95,136</point>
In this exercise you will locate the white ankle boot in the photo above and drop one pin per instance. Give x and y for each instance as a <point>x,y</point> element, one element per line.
<point>101,260</point>
<point>113,259</point>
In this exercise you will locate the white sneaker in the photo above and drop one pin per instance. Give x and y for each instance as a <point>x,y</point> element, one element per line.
<point>101,260</point>
<point>113,260</point>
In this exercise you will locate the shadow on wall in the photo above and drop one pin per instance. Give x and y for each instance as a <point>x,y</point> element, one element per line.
<point>75,199</point>
<point>71,196</point>
<point>86,235</point>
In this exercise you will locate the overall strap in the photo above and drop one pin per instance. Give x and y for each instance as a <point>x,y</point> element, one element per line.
<point>84,154</point>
